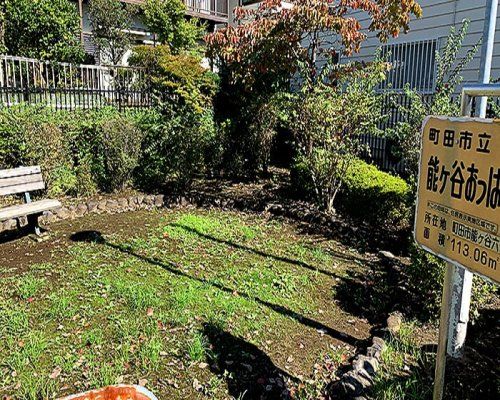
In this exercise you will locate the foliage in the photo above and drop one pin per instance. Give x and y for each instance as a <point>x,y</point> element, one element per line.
<point>111,21</point>
<point>32,136</point>
<point>375,196</point>
<point>43,29</point>
<point>166,19</point>
<point>175,149</point>
<point>407,132</point>
<point>326,121</point>
<point>246,134</point>
<point>121,142</point>
<point>276,40</point>
<point>176,80</point>
<point>425,280</point>
<point>79,152</point>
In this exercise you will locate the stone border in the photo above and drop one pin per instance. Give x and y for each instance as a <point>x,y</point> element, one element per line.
<point>104,206</point>
<point>354,383</point>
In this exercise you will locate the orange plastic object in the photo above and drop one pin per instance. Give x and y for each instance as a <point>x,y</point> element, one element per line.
<point>118,392</point>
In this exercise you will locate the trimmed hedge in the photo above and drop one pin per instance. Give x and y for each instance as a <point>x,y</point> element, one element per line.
<point>374,196</point>
<point>366,193</point>
<point>80,152</point>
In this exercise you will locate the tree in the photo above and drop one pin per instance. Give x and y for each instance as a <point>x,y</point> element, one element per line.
<point>326,121</point>
<point>166,18</point>
<point>274,39</point>
<point>111,21</point>
<point>407,132</point>
<point>44,29</point>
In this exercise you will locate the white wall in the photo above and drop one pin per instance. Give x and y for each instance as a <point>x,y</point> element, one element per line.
<point>437,19</point>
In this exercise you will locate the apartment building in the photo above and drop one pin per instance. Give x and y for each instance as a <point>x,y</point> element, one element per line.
<point>213,12</point>
<point>413,54</point>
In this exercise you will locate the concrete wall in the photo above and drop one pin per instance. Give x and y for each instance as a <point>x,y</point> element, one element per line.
<point>437,19</point>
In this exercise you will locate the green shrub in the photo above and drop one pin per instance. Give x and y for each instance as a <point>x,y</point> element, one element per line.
<point>425,281</point>
<point>35,136</point>
<point>175,149</point>
<point>121,146</point>
<point>373,195</point>
<point>80,152</point>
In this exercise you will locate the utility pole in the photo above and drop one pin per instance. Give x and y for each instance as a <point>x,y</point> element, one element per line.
<point>461,279</point>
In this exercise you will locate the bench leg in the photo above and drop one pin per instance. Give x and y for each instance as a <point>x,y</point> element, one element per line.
<point>33,223</point>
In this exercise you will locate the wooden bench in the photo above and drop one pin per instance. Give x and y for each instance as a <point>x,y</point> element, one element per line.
<point>24,180</point>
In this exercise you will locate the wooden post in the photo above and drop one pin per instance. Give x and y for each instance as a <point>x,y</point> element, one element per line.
<point>443,334</point>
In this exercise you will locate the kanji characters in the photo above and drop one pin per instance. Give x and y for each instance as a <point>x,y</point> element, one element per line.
<point>457,179</point>
<point>484,143</point>
<point>465,141</point>
<point>449,138</point>
<point>432,173</point>
<point>434,135</point>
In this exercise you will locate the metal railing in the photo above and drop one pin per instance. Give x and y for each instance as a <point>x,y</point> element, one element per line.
<point>70,86</point>
<point>218,8</point>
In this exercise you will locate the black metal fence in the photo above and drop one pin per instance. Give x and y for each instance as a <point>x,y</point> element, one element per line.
<point>69,87</point>
<point>383,151</point>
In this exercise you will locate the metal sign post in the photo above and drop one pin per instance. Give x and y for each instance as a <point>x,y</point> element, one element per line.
<point>457,217</point>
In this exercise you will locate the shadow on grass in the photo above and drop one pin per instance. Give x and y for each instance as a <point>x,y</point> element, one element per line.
<point>371,292</point>
<point>96,237</point>
<point>250,372</point>
<point>258,252</point>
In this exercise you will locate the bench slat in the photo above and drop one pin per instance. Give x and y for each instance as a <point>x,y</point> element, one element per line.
<point>24,187</point>
<point>9,173</point>
<point>19,180</point>
<point>35,207</point>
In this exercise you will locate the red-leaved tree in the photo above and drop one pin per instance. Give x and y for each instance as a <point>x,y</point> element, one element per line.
<point>279,38</point>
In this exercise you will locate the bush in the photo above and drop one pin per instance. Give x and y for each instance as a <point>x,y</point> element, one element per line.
<point>374,196</point>
<point>326,120</point>
<point>121,146</point>
<point>80,152</point>
<point>176,149</point>
<point>35,136</point>
<point>425,281</point>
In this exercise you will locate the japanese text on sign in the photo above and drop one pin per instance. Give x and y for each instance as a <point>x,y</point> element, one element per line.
<point>458,203</point>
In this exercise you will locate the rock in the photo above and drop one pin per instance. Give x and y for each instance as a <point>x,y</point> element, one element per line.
<point>394,322</point>
<point>92,206</point>
<point>387,257</point>
<point>159,200</point>
<point>366,364</point>
<point>123,204</point>
<point>112,205</point>
<point>62,213</point>
<point>102,205</point>
<point>72,211</point>
<point>378,343</point>
<point>23,221</point>
<point>81,210</point>
<point>50,217</point>
<point>9,224</point>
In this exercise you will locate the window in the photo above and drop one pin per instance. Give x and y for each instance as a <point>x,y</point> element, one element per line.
<point>413,63</point>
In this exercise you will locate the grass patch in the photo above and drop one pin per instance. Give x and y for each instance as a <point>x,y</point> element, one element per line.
<point>130,307</point>
<point>404,372</point>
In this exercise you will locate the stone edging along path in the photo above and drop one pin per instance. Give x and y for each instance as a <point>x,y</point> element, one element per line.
<point>109,206</point>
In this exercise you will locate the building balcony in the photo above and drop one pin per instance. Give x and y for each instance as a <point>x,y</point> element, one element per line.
<point>212,10</point>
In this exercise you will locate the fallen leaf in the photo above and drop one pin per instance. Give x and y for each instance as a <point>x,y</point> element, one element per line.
<point>55,373</point>
<point>149,312</point>
<point>143,382</point>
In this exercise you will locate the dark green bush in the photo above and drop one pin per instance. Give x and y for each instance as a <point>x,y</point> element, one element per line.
<point>425,281</point>
<point>80,152</point>
<point>176,149</point>
<point>374,196</point>
<point>366,193</point>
